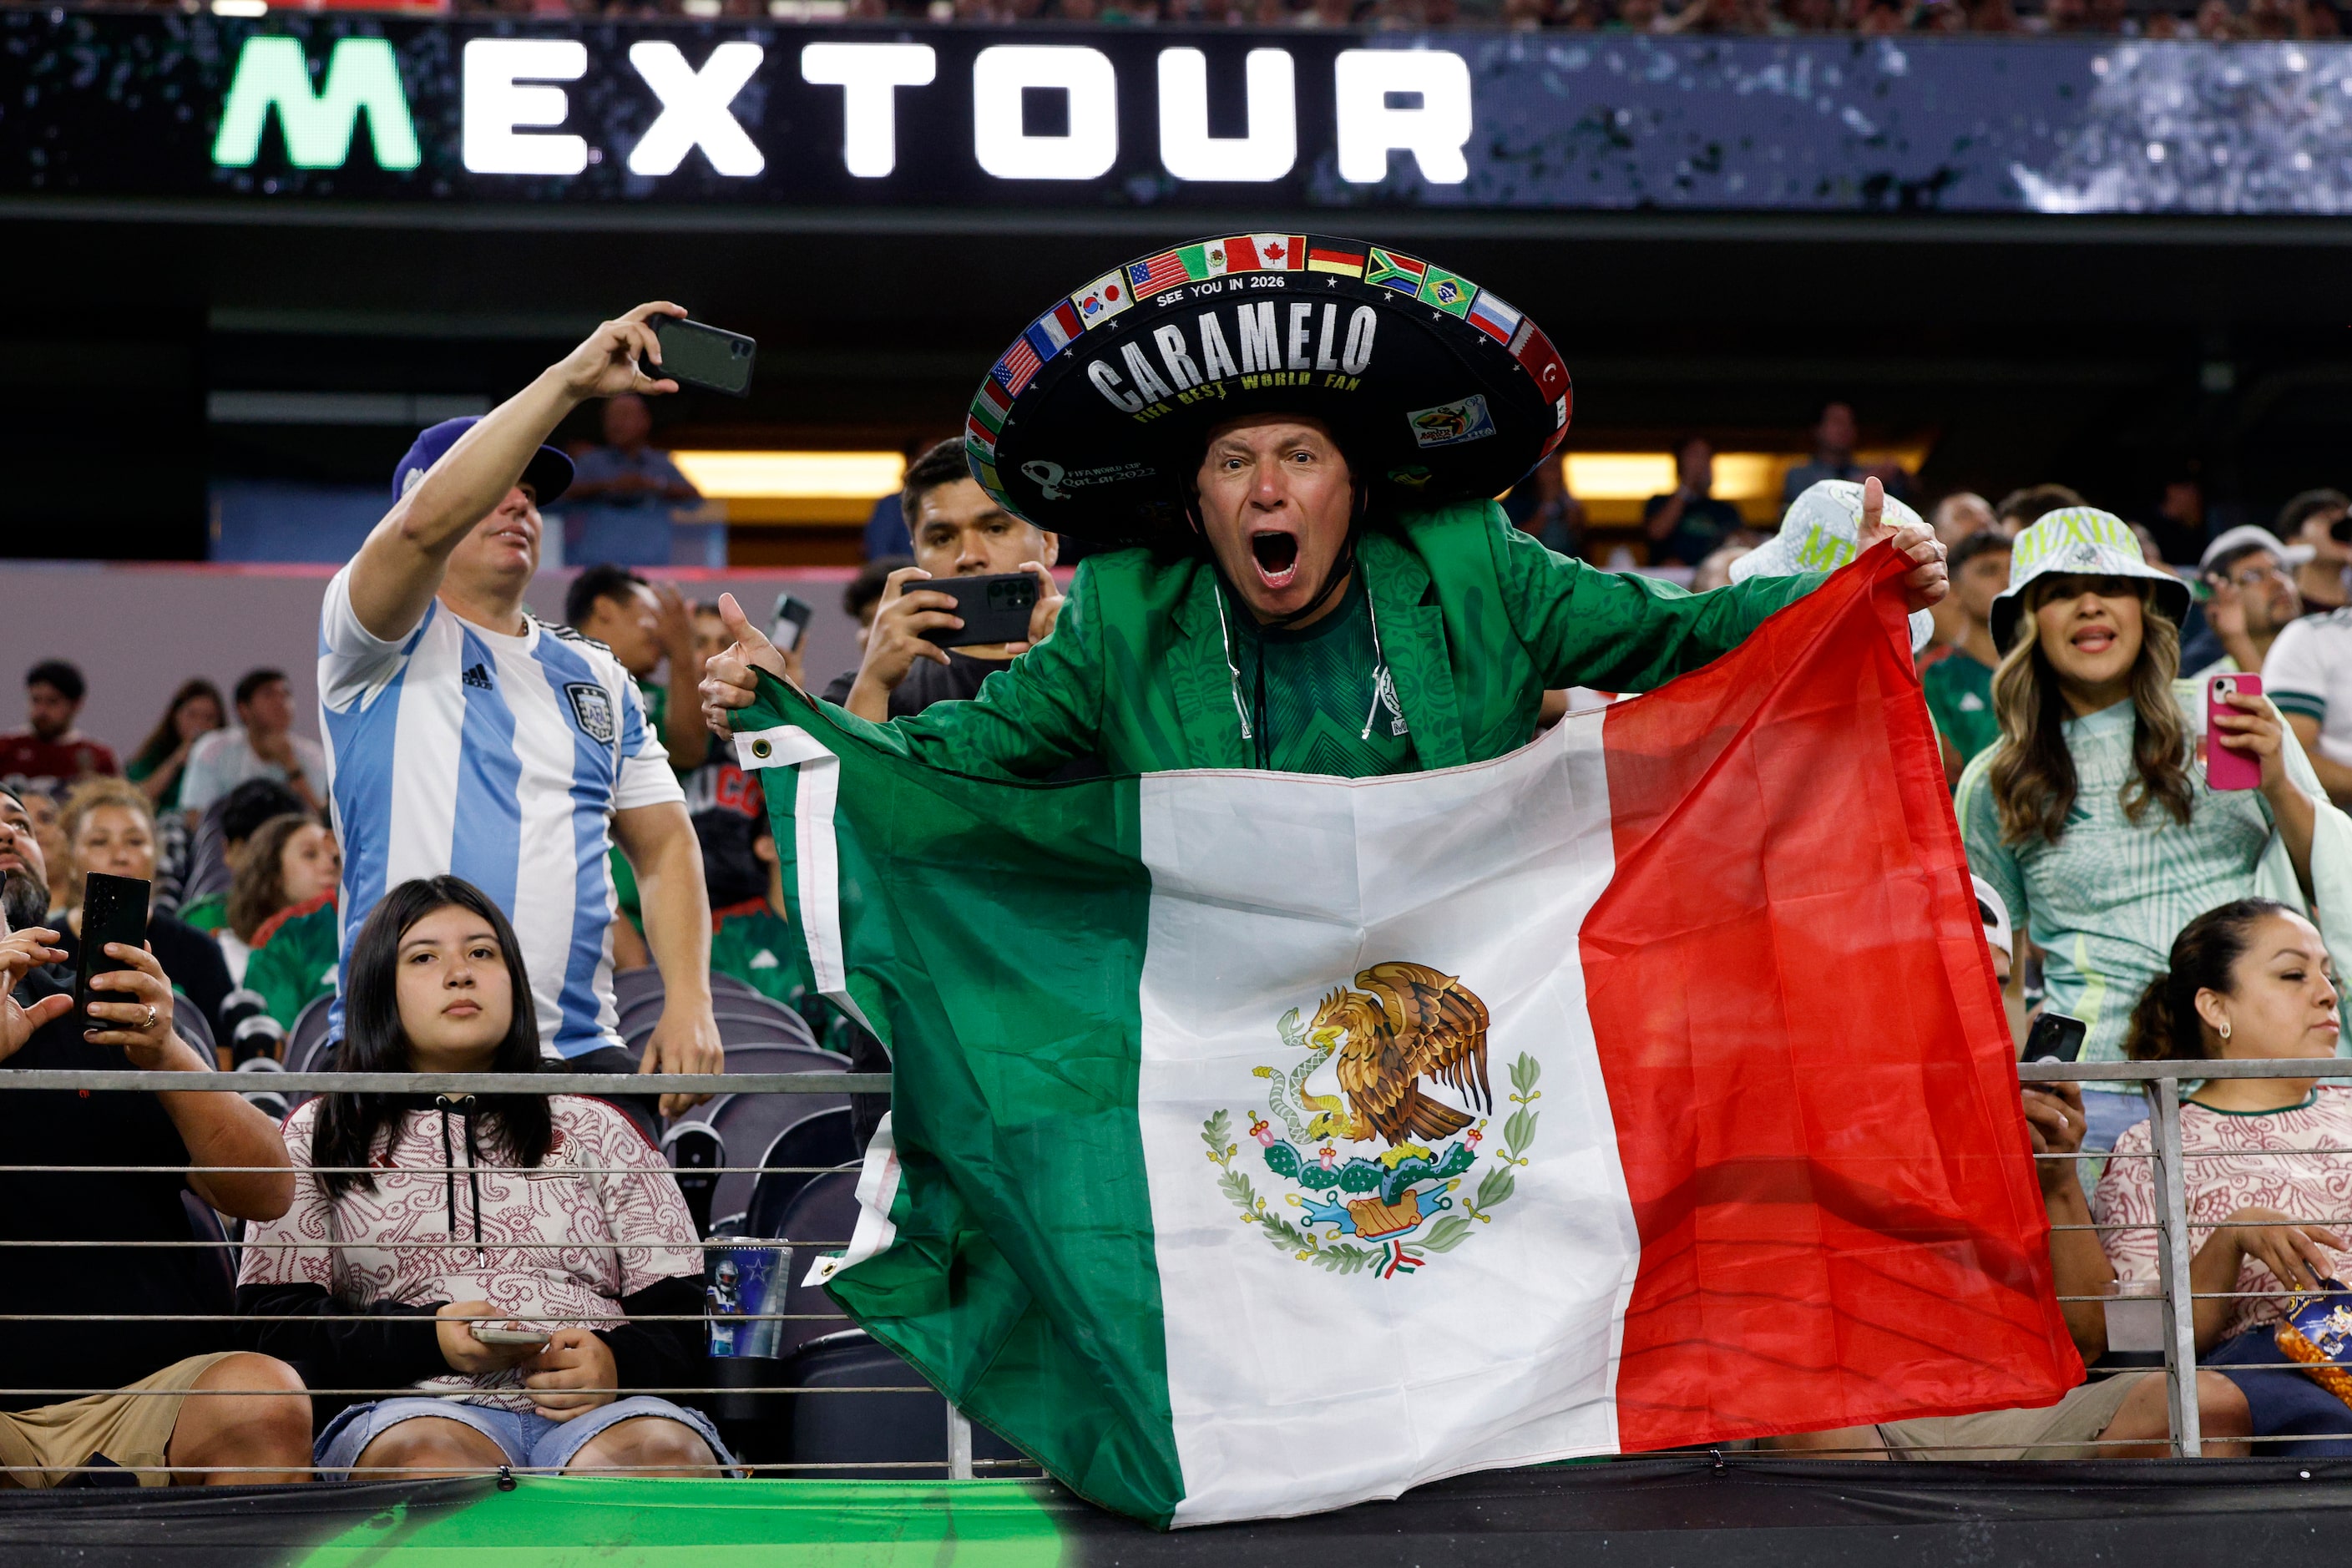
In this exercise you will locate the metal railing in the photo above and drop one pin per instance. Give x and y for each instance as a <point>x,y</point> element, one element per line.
<point>2161,1082</point>
<point>959,1464</point>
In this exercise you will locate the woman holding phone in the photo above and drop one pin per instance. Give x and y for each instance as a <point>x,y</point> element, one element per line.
<point>498,1248</point>
<point>2091,816</point>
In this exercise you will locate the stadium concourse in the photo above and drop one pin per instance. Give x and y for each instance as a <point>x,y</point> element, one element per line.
<point>1355,780</point>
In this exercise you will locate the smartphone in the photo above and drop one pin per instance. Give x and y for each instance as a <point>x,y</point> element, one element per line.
<point>697,356</point>
<point>113,909</point>
<point>2054,1037</point>
<point>2226,767</point>
<point>789,623</point>
<point>994,609</point>
<point>510,1336</point>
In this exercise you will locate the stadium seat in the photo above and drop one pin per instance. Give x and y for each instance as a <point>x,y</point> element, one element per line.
<point>740,1029</point>
<point>692,1149</point>
<point>818,1219</point>
<point>813,1146</point>
<point>259,1035</point>
<point>188,1021</point>
<point>305,1043</point>
<point>638,1017</point>
<point>725,986</point>
<point>237,1006</point>
<point>216,1265</point>
<point>208,870</point>
<point>888,1432</point>
<point>746,1124</point>
<point>631,986</point>
<point>270,1103</point>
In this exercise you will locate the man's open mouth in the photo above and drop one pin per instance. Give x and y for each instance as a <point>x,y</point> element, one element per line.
<point>1275,555</point>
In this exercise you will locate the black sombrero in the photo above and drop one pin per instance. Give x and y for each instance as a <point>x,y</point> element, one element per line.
<point>1092,421</point>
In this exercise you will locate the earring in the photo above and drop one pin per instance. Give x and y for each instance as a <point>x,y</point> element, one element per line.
<point>2225,1028</point>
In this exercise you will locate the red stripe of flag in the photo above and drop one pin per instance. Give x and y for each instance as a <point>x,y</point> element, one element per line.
<point>1810,1075</point>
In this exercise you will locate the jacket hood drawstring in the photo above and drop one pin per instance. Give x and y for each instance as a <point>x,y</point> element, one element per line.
<point>1383,681</point>
<point>463,1105</point>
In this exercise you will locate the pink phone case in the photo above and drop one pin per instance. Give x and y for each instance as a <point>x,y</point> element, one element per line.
<point>2226,767</point>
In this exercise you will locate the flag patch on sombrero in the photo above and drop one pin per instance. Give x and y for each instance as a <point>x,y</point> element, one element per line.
<point>1390,269</point>
<point>1429,386</point>
<point>1019,364</point>
<point>1333,258</point>
<point>1164,270</point>
<point>1446,291</point>
<point>1104,298</point>
<point>1491,315</point>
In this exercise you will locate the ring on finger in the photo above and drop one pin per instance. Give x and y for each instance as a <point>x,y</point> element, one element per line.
<point>149,1024</point>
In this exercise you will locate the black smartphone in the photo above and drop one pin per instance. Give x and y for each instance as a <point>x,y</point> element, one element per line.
<point>994,609</point>
<point>113,909</point>
<point>2054,1037</point>
<point>697,356</point>
<point>790,621</point>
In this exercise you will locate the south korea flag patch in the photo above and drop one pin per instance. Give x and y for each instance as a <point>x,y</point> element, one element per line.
<point>592,707</point>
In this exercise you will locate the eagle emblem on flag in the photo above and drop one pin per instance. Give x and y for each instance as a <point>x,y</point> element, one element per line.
<point>1374,1158</point>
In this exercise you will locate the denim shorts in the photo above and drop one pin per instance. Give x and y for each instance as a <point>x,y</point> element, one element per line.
<point>529,1441</point>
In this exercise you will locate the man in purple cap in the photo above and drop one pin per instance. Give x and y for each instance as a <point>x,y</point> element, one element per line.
<point>465,737</point>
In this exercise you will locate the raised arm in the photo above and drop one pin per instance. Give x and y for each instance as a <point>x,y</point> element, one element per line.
<point>398,570</point>
<point>1037,713</point>
<point>1620,632</point>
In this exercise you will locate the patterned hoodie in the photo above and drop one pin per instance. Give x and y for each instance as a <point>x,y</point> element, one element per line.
<point>595,1234</point>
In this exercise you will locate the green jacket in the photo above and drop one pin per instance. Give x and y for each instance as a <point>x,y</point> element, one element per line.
<point>1475,619</point>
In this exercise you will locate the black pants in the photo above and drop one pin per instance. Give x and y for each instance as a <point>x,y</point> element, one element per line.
<point>644,1109</point>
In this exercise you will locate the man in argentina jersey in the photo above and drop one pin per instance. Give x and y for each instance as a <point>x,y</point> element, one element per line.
<point>465,737</point>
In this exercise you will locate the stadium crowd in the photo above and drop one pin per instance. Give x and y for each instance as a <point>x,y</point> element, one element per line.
<point>625,910</point>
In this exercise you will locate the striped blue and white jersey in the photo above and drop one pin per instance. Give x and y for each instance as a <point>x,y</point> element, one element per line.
<point>498,758</point>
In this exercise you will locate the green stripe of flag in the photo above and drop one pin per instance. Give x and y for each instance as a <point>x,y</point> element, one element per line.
<point>1024,1196</point>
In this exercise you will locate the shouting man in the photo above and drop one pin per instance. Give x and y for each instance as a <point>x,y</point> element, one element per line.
<point>1303,455</point>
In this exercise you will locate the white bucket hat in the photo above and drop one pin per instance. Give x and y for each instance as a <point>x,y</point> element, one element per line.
<point>1820,532</point>
<point>2085,541</point>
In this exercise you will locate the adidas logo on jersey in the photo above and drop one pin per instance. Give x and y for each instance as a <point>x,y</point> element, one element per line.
<point>478,675</point>
<point>1972,703</point>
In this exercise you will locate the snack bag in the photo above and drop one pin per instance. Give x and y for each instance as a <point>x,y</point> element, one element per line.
<point>2318,1329</point>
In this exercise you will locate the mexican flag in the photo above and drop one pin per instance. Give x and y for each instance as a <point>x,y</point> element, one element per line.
<point>1265,1143</point>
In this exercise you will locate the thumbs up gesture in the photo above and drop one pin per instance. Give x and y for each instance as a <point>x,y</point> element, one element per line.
<point>730,681</point>
<point>1928,580</point>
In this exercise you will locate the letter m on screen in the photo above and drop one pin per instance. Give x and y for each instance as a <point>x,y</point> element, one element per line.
<point>362,75</point>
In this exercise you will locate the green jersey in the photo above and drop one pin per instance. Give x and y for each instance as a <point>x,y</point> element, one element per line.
<point>208,914</point>
<point>751,942</point>
<point>1960,699</point>
<point>1320,698</point>
<point>2104,902</point>
<point>293,960</point>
